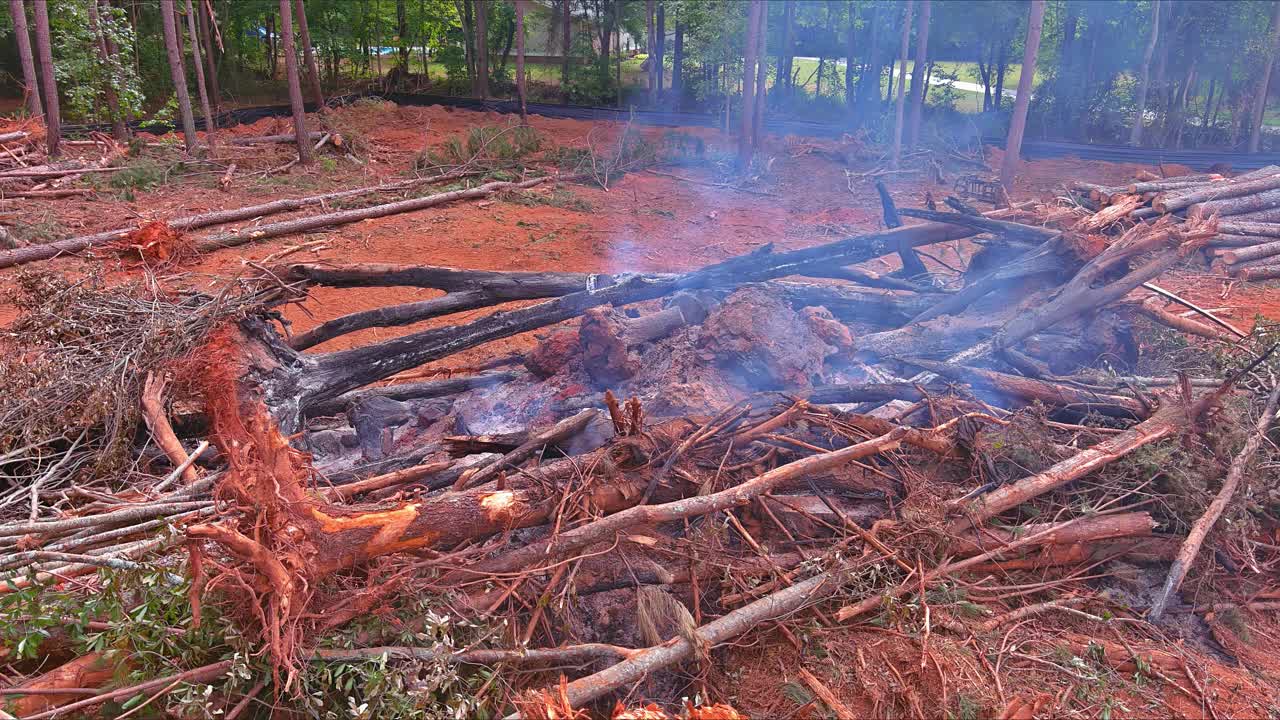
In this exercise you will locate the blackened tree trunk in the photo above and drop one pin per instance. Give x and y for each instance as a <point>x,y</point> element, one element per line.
<point>754,8</point>
<point>1018,124</point>
<point>677,65</point>
<point>1144,75</point>
<point>44,47</point>
<point>210,130</point>
<point>566,43</point>
<point>482,49</point>
<point>295,84</point>
<point>119,130</point>
<point>900,109</point>
<point>309,55</point>
<point>31,86</point>
<point>919,76</point>
<point>520,89</point>
<point>207,19</point>
<point>177,72</point>
<point>1264,82</point>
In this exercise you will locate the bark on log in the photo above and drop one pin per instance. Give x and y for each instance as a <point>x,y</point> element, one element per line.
<point>1003,228</point>
<point>468,290</point>
<point>1103,527</point>
<point>346,217</point>
<point>36,253</point>
<point>1253,252</point>
<point>1232,241</point>
<point>91,670</point>
<point>1245,228</point>
<point>413,391</point>
<point>1032,390</point>
<point>1271,215</point>
<point>1260,272</point>
<point>12,136</point>
<point>852,305</point>
<point>604,528</point>
<point>1237,206</point>
<point>272,139</point>
<point>1235,474</point>
<point>557,433</point>
<point>343,493</point>
<point>1171,202</point>
<point>1152,307</point>
<point>1169,419</point>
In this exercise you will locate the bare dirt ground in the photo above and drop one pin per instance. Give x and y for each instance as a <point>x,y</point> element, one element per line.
<point>652,221</point>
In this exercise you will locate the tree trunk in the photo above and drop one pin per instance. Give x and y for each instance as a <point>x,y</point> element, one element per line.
<point>899,112</point>
<point>482,49</point>
<point>762,76</point>
<point>469,42</point>
<point>273,56</point>
<point>850,42</point>
<point>1140,101</point>
<point>1002,65</point>
<point>119,130</point>
<point>748,84</point>
<point>31,86</point>
<point>677,66</point>
<point>984,72</point>
<point>869,83</point>
<point>520,88</point>
<point>205,19</point>
<point>660,29</point>
<point>651,48</point>
<point>786,53</point>
<point>295,84</point>
<point>919,75</point>
<point>402,37</point>
<point>1264,82</point>
<point>210,131</point>
<point>566,43</point>
<point>1018,124</point>
<point>44,47</point>
<point>817,90</point>
<point>177,72</point>
<point>309,55</point>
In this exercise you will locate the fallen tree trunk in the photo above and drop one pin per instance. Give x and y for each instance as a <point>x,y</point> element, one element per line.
<point>1260,272</point>
<point>1151,308</point>
<point>467,290</point>
<point>1253,252</point>
<point>1179,183</point>
<point>1029,390</point>
<point>1237,205</point>
<point>1224,240</point>
<point>413,391</point>
<point>1237,227</point>
<point>1195,538</point>
<point>1169,419</point>
<point>1169,203</point>
<point>1102,527</point>
<point>272,139</point>
<point>46,251</point>
<point>346,217</point>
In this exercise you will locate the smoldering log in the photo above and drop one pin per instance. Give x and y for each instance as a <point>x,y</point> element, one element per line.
<point>311,379</point>
<point>421,390</point>
<point>1032,390</point>
<point>1003,228</point>
<point>851,305</point>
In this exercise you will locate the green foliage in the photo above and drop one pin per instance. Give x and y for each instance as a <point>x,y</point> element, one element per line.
<point>81,73</point>
<point>487,146</point>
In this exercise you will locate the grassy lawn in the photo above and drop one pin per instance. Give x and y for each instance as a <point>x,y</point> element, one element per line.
<point>806,72</point>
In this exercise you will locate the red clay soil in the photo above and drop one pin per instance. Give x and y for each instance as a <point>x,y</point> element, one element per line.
<point>655,222</point>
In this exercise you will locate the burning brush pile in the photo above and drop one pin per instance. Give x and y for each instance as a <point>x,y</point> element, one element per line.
<point>778,450</point>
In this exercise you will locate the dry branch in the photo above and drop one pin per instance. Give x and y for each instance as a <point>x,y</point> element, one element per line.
<point>1235,474</point>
